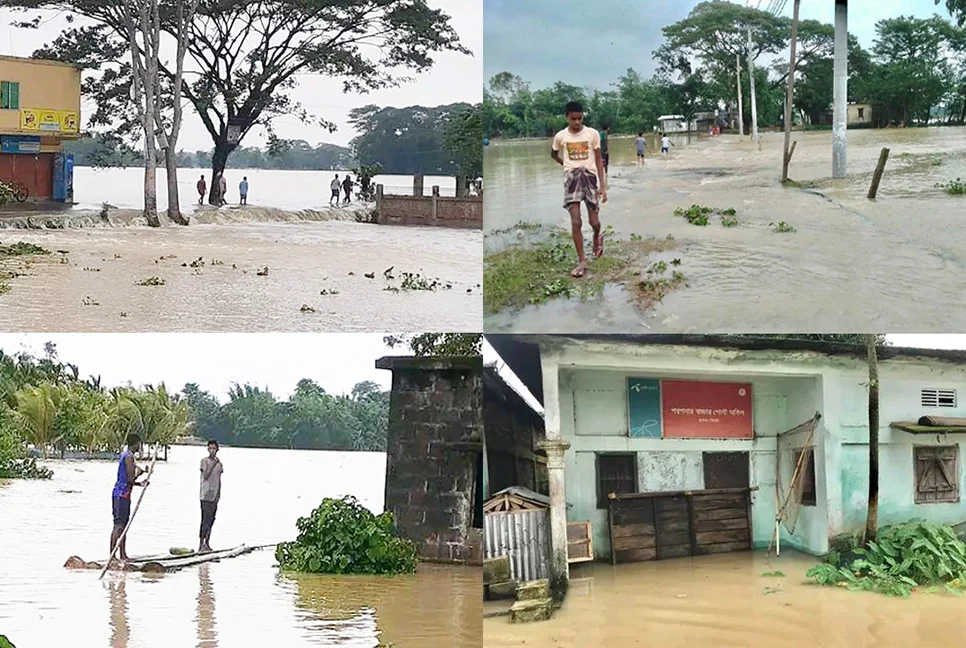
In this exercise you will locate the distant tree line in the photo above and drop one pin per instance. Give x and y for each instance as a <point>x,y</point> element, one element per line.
<point>44,403</point>
<point>440,140</point>
<point>914,74</point>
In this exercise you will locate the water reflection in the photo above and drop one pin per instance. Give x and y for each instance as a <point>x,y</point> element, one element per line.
<point>207,636</point>
<point>120,632</point>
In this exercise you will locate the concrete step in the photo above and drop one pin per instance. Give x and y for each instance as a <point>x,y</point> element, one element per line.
<point>496,570</point>
<point>506,590</point>
<point>535,589</point>
<point>531,610</point>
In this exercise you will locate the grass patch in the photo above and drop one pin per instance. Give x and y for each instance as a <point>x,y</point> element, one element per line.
<point>537,268</point>
<point>151,281</point>
<point>902,558</point>
<point>21,248</point>
<point>792,183</point>
<point>781,227</point>
<point>954,187</point>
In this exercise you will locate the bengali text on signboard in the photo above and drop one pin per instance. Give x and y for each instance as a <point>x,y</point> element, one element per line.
<point>706,410</point>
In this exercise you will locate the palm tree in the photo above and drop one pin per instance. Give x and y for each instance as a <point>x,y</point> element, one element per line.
<point>35,413</point>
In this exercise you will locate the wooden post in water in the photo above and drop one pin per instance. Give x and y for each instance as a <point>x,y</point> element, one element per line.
<point>788,159</point>
<point>877,176</point>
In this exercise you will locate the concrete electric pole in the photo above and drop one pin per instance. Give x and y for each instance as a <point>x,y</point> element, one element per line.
<point>741,116</point>
<point>840,93</point>
<point>754,100</point>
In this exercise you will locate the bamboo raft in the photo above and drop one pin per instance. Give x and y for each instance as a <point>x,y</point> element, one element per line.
<point>162,563</point>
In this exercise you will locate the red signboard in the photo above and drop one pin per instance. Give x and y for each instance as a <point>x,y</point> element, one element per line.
<point>706,410</point>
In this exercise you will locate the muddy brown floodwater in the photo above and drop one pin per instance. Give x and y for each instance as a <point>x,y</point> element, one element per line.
<point>321,265</point>
<point>242,601</point>
<point>724,601</point>
<point>896,263</point>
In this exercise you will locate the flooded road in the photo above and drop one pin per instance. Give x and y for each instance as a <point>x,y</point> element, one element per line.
<point>93,287</point>
<point>851,264</point>
<point>243,601</point>
<point>722,600</point>
<point>280,188</point>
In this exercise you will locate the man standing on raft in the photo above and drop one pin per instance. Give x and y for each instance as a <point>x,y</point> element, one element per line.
<point>127,473</point>
<point>211,470</point>
<point>577,149</point>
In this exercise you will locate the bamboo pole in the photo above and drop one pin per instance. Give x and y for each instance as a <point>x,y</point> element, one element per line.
<point>133,513</point>
<point>877,176</point>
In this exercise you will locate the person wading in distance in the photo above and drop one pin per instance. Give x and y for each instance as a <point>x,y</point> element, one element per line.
<point>211,470</point>
<point>577,149</point>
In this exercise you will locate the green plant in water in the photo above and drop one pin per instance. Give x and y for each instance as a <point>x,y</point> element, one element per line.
<point>20,248</point>
<point>695,214</point>
<point>773,573</point>
<point>151,281</point>
<point>728,212</point>
<point>901,558</point>
<point>343,537</point>
<point>729,221</point>
<point>14,462</point>
<point>781,227</point>
<point>954,187</point>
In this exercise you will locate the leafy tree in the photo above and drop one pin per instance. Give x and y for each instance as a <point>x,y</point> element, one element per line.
<point>406,140</point>
<point>247,56</point>
<point>464,140</point>
<point>957,8</point>
<point>439,344</point>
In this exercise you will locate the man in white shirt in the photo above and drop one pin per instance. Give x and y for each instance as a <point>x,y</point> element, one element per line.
<point>211,470</point>
<point>336,188</point>
<point>577,149</point>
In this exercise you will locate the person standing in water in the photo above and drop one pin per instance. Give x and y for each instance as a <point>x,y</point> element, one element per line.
<point>577,149</point>
<point>604,153</point>
<point>666,144</point>
<point>641,144</point>
<point>223,188</point>
<point>243,191</point>
<point>336,187</point>
<point>127,474</point>
<point>211,470</point>
<point>347,187</point>
<point>202,187</point>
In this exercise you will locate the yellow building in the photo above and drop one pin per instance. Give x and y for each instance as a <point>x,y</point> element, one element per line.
<point>860,113</point>
<point>39,109</point>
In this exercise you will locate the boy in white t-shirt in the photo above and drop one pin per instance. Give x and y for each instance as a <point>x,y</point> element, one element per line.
<point>577,149</point>
<point>666,144</point>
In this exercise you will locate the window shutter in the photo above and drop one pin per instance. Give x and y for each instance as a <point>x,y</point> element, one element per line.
<point>14,95</point>
<point>4,94</point>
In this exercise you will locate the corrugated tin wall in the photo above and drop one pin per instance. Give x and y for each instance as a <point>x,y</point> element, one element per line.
<point>522,535</point>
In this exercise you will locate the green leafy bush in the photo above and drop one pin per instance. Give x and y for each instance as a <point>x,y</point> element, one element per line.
<point>14,462</point>
<point>901,558</point>
<point>343,537</point>
<point>6,643</point>
<point>954,187</point>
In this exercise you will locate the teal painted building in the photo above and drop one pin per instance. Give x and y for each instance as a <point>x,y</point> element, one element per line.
<point>609,406</point>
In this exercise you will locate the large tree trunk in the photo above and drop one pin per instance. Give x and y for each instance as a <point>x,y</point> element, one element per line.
<point>871,520</point>
<point>174,201</point>
<point>218,161</point>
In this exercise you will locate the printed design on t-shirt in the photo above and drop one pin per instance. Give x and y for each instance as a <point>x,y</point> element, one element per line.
<point>578,150</point>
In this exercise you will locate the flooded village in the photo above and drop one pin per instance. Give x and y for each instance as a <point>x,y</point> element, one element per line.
<point>705,228</point>
<point>238,218</point>
<point>415,422</point>
<point>698,489</point>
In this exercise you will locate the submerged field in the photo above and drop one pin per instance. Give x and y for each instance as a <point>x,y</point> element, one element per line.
<point>816,254</point>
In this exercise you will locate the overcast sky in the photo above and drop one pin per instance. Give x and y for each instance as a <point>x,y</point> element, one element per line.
<point>490,356</point>
<point>336,361</point>
<point>592,44</point>
<point>454,78</point>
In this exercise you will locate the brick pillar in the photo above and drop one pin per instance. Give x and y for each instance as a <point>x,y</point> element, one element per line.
<point>418,185</point>
<point>435,438</point>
